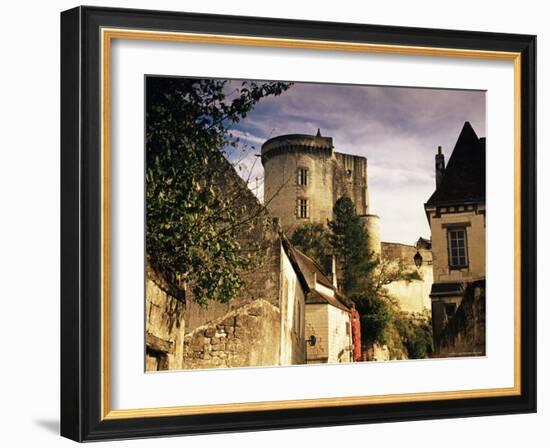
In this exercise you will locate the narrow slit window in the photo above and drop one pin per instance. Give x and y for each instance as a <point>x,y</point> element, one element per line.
<point>303,208</point>
<point>303,174</point>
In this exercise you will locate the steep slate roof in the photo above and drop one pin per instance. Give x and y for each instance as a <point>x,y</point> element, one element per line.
<point>464,176</point>
<point>291,253</point>
<point>309,270</point>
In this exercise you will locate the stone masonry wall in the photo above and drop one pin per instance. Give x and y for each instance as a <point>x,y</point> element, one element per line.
<point>246,337</point>
<point>258,236</point>
<point>165,325</point>
<point>330,175</point>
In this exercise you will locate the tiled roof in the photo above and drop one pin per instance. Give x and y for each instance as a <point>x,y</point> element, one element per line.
<point>311,269</point>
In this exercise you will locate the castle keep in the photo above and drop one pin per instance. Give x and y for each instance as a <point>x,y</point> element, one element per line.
<point>304,177</point>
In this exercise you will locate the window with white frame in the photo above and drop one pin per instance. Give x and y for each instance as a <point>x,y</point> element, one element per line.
<point>302,176</point>
<point>302,208</point>
<point>458,252</point>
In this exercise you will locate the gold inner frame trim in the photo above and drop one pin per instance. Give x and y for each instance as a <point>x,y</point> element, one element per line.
<point>107,35</point>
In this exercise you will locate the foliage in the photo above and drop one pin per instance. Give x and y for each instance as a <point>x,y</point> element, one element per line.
<point>313,240</point>
<point>415,331</point>
<point>364,280</point>
<point>348,239</point>
<point>386,271</point>
<point>407,335</point>
<point>382,321</point>
<point>375,316</point>
<point>192,226</point>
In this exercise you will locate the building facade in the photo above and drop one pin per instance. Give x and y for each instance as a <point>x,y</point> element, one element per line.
<point>328,329</point>
<point>456,214</point>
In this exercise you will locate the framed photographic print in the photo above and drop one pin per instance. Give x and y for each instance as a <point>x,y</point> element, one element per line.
<point>273,223</point>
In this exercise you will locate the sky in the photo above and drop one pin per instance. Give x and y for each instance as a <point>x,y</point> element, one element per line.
<point>397,129</point>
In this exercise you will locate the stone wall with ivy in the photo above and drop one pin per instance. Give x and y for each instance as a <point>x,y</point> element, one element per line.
<point>259,237</point>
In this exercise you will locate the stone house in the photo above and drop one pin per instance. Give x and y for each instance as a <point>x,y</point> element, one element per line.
<point>456,214</point>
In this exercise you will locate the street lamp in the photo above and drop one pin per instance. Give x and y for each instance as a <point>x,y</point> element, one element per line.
<point>417,259</point>
<point>312,340</point>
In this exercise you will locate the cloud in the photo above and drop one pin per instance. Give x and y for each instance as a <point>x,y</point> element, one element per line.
<point>248,137</point>
<point>397,129</point>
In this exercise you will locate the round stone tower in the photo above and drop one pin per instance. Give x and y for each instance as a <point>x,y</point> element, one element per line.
<point>372,224</point>
<point>298,179</point>
<point>304,177</point>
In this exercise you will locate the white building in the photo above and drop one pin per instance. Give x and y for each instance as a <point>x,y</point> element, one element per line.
<point>327,320</point>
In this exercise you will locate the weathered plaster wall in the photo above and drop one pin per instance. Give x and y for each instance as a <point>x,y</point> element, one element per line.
<point>293,316</point>
<point>339,335</point>
<point>475,234</point>
<point>317,325</point>
<point>330,326</point>
<point>246,337</point>
<point>414,295</point>
<point>165,326</point>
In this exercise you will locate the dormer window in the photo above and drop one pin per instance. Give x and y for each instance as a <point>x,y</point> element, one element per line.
<point>302,176</point>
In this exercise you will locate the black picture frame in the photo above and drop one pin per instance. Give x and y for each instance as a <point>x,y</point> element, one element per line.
<point>81,382</point>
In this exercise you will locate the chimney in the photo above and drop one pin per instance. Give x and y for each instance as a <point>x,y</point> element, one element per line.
<point>439,167</point>
<point>333,272</point>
